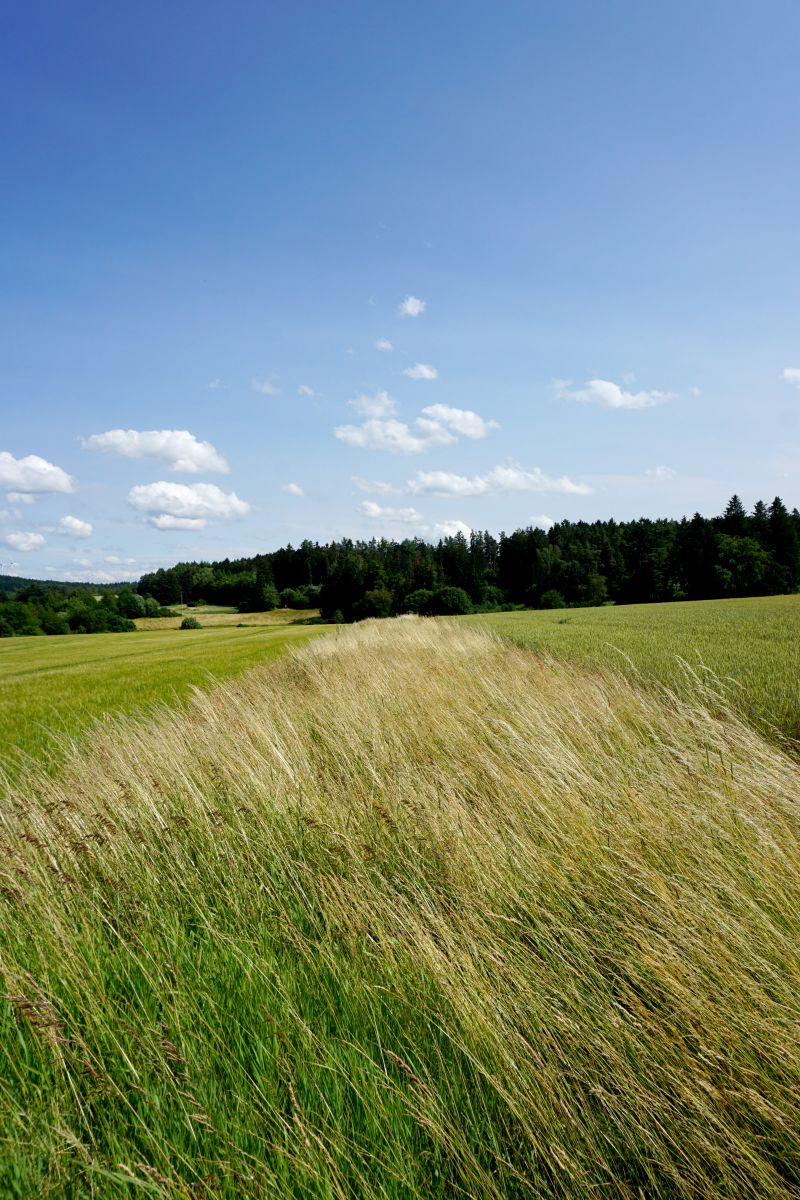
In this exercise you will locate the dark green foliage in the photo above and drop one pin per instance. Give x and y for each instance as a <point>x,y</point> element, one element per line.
<point>636,562</point>
<point>190,623</point>
<point>40,609</point>
<point>130,604</point>
<point>377,603</point>
<point>451,602</point>
<point>552,599</point>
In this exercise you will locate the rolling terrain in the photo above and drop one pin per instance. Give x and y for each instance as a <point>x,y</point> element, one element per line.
<point>411,911</point>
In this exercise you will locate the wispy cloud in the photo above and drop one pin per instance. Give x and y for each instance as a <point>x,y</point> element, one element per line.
<point>384,344</point>
<point>406,516</point>
<point>451,528</point>
<point>293,489</point>
<point>25,541</point>
<point>437,428</point>
<point>791,375</point>
<point>185,506</point>
<point>305,390</point>
<point>610,395</point>
<point>412,307</point>
<point>542,522</point>
<point>502,480</point>
<point>266,386</point>
<point>461,420</point>
<point>119,562</point>
<point>411,518</point>
<point>217,383</point>
<point>421,371</point>
<point>176,447</point>
<point>24,478</point>
<point>662,474</point>
<point>376,487</point>
<point>74,527</point>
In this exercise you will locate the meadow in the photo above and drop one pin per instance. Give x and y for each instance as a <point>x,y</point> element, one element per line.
<point>751,647</point>
<point>51,687</point>
<point>409,911</point>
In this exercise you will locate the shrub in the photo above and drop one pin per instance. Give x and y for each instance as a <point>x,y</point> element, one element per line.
<point>451,602</point>
<point>419,602</point>
<point>190,623</point>
<point>552,599</point>
<point>129,604</point>
<point>377,603</point>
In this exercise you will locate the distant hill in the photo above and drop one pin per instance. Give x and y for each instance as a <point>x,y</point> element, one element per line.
<point>12,583</point>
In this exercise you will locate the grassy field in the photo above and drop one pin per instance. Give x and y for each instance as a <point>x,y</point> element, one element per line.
<point>211,617</point>
<point>51,686</point>
<point>412,913</point>
<point>752,646</point>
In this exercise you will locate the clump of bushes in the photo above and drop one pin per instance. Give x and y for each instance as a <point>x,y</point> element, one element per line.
<point>190,623</point>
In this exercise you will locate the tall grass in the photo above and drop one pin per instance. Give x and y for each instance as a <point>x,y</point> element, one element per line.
<point>411,912</point>
<point>752,645</point>
<point>51,688</point>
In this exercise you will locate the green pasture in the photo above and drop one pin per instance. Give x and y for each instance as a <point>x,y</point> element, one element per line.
<point>52,686</point>
<point>752,646</point>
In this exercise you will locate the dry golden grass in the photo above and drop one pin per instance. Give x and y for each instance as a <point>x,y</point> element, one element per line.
<point>277,616</point>
<point>411,912</point>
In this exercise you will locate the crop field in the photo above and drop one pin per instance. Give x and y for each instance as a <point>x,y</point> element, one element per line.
<point>51,686</point>
<point>212,617</point>
<point>751,646</point>
<point>414,912</point>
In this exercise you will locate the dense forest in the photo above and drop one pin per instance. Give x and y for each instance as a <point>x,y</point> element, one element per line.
<point>572,564</point>
<point>49,608</point>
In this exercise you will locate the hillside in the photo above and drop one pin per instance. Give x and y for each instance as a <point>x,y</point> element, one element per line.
<point>410,912</point>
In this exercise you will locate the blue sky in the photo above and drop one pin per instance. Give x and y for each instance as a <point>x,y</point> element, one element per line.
<point>284,270</point>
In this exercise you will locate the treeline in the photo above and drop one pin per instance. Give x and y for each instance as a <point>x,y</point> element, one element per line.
<point>16,583</point>
<point>46,608</point>
<point>573,564</point>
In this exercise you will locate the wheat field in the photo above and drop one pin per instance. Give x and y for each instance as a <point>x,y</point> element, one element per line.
<point>408,912</point>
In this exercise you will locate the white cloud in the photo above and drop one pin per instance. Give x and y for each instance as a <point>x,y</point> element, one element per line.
<point>384,344</point>
<point>20,498</point>
<point>542,522</point>
<point>31,476</point>
<point>406,516</point>
<point>461,420</point>
<point>305,390</point>
<point>695,391</point>
<point>451,528</point>
<point>663,474</point>
<point>74,527</point>
<point>791,375</point>
<point>25,541</point>
<point>611,395</point>
<point>435,429</point>
<point>177,447</point>
<point>293,489</point>
<point>379,405</point>
<point>217,383</point>
<point>500,481</point>
<point>412,307</point>
<point>396,437</point>
<point>376,487</point>
<point>266,387</point>
<point>185,506</point>
<point>629,379</point>
<point>421,371</point>
<point>120,562</point>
